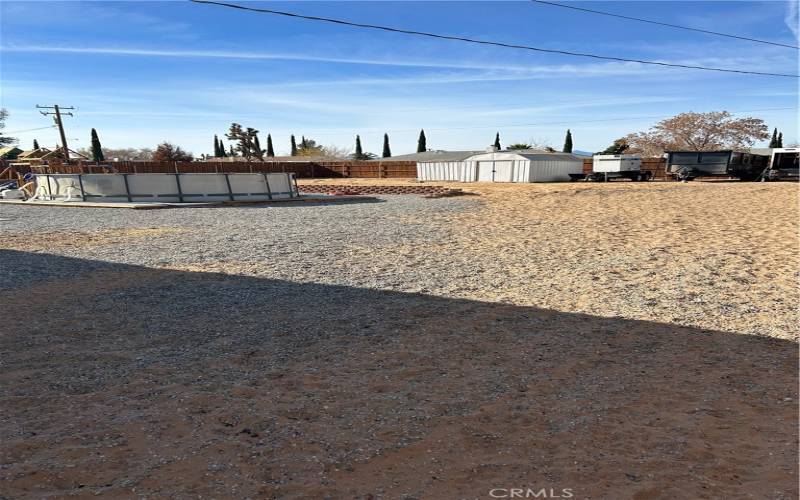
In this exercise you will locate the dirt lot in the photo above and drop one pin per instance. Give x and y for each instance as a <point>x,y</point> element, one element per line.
<point>618,341</point>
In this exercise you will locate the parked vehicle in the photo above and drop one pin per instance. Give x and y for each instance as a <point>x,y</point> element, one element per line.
<point>783,165</point>
<point>610,167</point>
<point>688,165</point>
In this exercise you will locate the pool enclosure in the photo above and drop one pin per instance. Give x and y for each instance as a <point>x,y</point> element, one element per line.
<point>165,188</point>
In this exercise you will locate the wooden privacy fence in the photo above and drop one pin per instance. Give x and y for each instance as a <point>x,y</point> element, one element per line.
<point>301,169</point>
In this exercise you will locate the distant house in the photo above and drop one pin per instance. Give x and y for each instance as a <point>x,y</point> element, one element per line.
<point>9,153</point>
<point>429,156</point>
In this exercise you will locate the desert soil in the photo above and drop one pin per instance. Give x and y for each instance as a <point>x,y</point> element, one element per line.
<point>611,340</point>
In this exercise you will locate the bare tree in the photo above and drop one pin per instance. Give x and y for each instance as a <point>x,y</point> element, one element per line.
<point>334,152</point>
<point>698,132</point>
<point>122,154</point>
<point>169,152</point>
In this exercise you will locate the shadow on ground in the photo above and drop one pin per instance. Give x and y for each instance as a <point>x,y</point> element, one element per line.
<point>120,381</point>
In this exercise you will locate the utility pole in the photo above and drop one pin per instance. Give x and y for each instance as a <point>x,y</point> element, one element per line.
<point>57,114</point>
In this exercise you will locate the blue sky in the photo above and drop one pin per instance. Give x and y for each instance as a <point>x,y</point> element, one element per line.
<point>144,72</point>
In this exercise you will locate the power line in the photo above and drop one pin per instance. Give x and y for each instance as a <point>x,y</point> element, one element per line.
<point>30,130</point>
<point>485,42</point>
<point>708,32</point>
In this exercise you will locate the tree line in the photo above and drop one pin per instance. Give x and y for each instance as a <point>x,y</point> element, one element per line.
<point>717,130</point>
<point>246,144</point>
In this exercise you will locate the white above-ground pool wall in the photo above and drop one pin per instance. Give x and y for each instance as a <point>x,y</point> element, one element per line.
<point>456,171</point>
<point>172,188</point>
<point>74,186</point>
<point>149,187</point>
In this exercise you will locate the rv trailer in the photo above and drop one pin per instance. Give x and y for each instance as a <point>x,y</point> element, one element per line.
<point>689,165</point>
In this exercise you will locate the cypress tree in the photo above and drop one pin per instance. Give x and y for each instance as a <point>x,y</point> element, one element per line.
<point>231,153</point>
<point>294,147</point>
<point>780,140</point>
<point>270,151</point>
<point>422,145</point>
<point>97,149</point>
<point>359,152</point>
<point>35,144</point>
<point>568,142</point>
<point>216,146</point>
<point>257,146</point>
<point>387,152</point>
<point>497,141</point>
<point>773,143</point>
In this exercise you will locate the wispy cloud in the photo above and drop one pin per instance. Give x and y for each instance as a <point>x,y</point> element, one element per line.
<point>530,70</point>
<point>792,19</point>
<point>523,71</point>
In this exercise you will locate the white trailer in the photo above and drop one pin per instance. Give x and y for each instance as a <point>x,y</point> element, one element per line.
<point>608,167</point>
<point>616,163</point>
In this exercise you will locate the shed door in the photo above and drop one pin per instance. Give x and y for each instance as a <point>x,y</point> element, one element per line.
<point>495,171</point>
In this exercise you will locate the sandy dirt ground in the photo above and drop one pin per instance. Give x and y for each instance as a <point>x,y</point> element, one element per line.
<point>589,340</point>
<point>710,254</point>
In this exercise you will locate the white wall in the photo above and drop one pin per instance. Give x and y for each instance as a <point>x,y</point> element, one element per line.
<point>553,170</point>
<point>501,167</point>
<point>458,171</point>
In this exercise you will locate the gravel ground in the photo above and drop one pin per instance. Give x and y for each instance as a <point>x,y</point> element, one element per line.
<point>300,242</point>
<point>532,336</point>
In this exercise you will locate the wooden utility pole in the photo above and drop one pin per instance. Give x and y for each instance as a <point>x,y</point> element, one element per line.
<point>57,113</point>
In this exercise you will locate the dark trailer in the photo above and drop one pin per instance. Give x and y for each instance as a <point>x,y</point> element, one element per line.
<point>688,165</point>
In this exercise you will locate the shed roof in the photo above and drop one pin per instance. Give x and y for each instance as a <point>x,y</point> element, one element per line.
<point>434,156</point>
<point>532,155</point>
<point>546,155</point>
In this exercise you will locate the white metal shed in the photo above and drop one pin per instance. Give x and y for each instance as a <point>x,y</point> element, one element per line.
<point>504,166</point>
